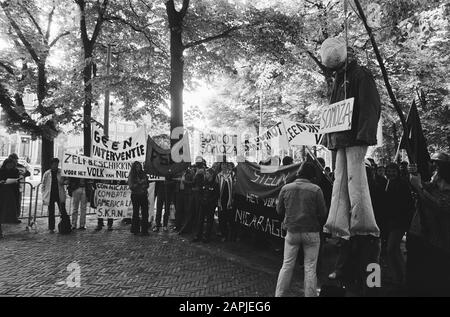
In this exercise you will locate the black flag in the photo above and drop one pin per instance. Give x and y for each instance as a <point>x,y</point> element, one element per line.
<point>417,142</point>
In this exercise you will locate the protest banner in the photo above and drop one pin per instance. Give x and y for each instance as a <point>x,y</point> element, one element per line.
<point>75,165</point>
<point>133,148</point>
<point>337,116</point>
<point>113,201</point>
<point>213,143</point>
<point>256,196</point>
<point>159,161</point>
<point>302,133</point>
<point>271,140</point>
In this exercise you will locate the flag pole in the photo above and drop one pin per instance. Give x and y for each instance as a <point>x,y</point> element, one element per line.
<point>385,76</point>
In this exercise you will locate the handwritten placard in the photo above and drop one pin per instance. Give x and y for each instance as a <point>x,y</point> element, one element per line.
<point>337,116</point>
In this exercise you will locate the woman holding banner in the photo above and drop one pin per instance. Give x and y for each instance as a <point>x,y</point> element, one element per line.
<point>138,183</point>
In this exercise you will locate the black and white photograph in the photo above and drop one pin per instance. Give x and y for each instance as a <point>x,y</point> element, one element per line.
<point>226,155</point>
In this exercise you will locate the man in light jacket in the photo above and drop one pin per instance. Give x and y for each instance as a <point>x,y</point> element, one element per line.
<point>304,210</point>
<point>53,192</point>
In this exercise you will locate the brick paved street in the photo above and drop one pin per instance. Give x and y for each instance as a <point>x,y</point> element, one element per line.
<point>118,263</point>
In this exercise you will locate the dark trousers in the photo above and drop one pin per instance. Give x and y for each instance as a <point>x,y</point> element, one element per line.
<point>179,209</point>
<point>140,202</point>
<point>226,223</point>
<point>206,212</point>
<point>100,222</point>
<point>427,269</point>
<point>354,257</point>
<point>51,212</point>
<point>190,211</point>
<point>159,206</point>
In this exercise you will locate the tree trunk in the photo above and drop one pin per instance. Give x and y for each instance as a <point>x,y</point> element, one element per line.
<point>176,81</point>
<point>87,108</point>
<point>46,154</point>
<point>175,19</point>
<point>47,151</point>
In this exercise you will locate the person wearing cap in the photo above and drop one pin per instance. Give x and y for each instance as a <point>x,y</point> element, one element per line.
<point>53,192</point>
<point>428,240</point>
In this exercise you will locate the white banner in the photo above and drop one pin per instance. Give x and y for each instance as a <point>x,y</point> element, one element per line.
<point>271,140</point>
<point>337,116</point>
<point>213,143</point>
<point>113,201</point>
<point>302,133</point>
<point>133,148</point>
<point>74,165</point>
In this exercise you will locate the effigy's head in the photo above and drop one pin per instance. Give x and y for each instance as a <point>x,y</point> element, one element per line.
<point>333,52</point>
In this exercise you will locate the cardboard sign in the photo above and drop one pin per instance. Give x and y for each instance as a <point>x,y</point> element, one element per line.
<point>302,133</point>
<point>113,201</point>
<point>271,140</point>
<point>337,116</point>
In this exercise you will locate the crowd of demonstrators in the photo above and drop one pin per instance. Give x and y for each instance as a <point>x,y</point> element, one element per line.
<point>428,240</point>
<point>303,206</point>
<point>138,183</point>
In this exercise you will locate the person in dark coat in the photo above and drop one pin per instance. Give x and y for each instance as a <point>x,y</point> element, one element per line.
<point>138,183</point>
<point>428,241</point>
<point>399,211</point>
<point>208,196</point>
<point>9,193</point>
<point>24,173</point>
<point>187,181</point>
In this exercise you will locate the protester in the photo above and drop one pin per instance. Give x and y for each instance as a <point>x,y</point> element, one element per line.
<point>428,242</point>
<point>225,202</point>
<point>209,192</point>
<point>53,192</point>
<point>399,211</point>
<point>164,195</point>
<point>23,172</point>
<point>8,192</point>
<point>78,190</point>
<point>303,207</point>
<point>138,183</point>
<point>187,180</point>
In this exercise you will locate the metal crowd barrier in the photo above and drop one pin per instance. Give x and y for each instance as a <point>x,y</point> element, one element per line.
<point>35,196</point>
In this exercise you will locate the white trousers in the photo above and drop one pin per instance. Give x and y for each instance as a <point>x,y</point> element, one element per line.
<point>292,242</point>
<point>351,211</point>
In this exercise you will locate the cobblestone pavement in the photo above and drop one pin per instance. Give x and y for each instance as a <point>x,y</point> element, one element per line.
<point>117,263</point>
